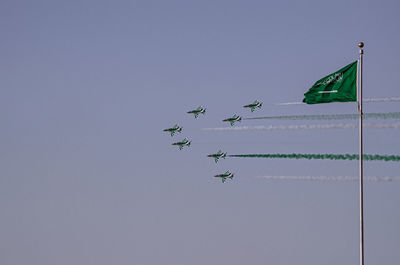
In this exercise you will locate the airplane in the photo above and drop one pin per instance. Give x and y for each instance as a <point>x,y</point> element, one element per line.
<point>181,144</point>
<point>197,111</point>
<point>218,155</point>
<point>253,105</point>
<point>233,119</point>
<point>224,176</point>
<point>174,129</point>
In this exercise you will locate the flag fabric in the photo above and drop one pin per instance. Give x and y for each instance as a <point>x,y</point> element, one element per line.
<point>341,86</point>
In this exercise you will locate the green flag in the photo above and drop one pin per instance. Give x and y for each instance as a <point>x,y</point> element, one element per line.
<point>340,86</point>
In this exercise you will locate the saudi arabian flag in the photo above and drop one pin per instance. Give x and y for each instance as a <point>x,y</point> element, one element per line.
<point>340,86</point>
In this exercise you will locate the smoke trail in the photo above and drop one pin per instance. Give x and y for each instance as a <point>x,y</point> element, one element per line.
<point>388,115</point>
<point>394,158</point>
<point>325,178</point>
<point>389,99</point>
<point>290,103</point>
<point>305,127</point>
<point>382,125</point>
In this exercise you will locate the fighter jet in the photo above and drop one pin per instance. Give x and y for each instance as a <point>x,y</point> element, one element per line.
<point>174,129</point>
<point>218,155</point>
<point>181,144</point>
<point>233,119</point>
<point>224,176</point>
<point>253,105</point>
<point>197,111</point>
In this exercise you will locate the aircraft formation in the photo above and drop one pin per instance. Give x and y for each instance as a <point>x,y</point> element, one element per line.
<point>185,142</point>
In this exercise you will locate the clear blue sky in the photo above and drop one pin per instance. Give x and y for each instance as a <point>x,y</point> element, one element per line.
<point>88,177</point>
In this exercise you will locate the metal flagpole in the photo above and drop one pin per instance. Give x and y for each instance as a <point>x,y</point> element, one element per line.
<point>360,111</point>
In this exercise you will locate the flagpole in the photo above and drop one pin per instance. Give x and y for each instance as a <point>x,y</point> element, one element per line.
<point>360,111</point>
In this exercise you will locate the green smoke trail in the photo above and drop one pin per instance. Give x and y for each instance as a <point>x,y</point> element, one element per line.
<point>394,158</point>
<point>387,115</point>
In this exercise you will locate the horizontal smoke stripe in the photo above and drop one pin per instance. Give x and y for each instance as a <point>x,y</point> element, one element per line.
<point>331,178</point>
<point>305,127</point>
<point>389,99</point>
<point>388,115</point>
<point>366,157</point>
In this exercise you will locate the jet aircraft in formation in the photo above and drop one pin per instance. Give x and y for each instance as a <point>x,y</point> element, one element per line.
<point>197,111</point>
<point>234,119</point>
<point>181,144</point>
<point>253,105</point>
<point>218,155</point>
<point>174,129</point>
<point>224,176</point>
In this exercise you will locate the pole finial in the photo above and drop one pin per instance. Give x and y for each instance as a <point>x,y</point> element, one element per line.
<point>361,44</point>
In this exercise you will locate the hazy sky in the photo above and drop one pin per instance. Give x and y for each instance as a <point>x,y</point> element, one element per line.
<point>88,177</point>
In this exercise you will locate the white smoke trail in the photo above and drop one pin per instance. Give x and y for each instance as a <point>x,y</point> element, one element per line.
<point>289,103</point>
<point>305,127</point>
<point>386,115</point>
<point>382,125</point>
<point>330,178</point>
<point>389,99</point>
